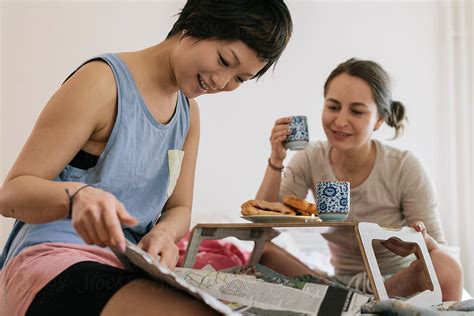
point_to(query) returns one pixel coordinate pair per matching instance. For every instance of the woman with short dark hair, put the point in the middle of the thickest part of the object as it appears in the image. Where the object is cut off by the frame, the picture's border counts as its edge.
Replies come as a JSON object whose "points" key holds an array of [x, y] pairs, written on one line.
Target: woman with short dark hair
{"points": [[112, 157]]}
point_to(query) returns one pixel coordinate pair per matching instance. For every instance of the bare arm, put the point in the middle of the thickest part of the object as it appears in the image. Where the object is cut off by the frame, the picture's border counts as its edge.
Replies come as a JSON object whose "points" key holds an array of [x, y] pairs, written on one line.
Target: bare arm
{"points": [[72, 116], [270, 188], [176, 216], [80, 114]]}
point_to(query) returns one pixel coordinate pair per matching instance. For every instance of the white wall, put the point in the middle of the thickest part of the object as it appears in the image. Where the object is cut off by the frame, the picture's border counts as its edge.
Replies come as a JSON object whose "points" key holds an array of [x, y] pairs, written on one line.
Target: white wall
{"points": [[42, 42]]}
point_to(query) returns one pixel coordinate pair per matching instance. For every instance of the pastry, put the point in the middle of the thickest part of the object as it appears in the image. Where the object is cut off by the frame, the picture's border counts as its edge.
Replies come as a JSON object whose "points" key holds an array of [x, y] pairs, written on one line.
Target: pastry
{"points": [[260, 207], [300, 205]]}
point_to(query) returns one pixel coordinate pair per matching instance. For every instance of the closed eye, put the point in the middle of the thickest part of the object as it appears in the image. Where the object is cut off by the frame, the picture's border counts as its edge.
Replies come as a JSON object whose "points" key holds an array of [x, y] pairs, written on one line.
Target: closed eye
{"points": [[222, 61], [240, 80]]}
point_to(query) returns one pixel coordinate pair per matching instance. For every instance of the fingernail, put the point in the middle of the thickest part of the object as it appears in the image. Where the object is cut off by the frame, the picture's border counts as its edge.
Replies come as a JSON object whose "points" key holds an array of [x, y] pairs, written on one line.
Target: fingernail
{"points": [[122, 247]]}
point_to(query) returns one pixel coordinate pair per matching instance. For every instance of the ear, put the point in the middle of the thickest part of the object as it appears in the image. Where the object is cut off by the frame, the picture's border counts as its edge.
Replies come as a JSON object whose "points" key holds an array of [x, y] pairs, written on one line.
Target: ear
{"points": [[379, 123]]}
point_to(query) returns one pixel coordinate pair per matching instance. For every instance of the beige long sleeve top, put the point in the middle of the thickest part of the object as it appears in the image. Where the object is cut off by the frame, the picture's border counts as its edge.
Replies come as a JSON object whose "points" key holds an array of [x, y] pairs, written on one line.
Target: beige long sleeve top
{"points": [[398, 192]]}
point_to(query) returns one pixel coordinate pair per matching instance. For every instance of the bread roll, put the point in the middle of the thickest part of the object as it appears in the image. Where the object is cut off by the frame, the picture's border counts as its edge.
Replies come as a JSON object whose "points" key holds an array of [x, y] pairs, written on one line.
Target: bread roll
{"points": [[300, 205], [260, 207]]}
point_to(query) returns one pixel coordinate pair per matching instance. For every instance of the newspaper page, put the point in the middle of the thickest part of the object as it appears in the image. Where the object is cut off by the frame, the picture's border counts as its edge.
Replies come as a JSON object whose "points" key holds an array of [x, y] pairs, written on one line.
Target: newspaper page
{"points": [[253, 290], [135, 259], [310, 299]]}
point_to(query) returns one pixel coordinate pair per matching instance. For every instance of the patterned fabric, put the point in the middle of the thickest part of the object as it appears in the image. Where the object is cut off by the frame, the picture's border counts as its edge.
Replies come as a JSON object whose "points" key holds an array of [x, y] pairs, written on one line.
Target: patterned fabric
{"points": [[396, 307]]}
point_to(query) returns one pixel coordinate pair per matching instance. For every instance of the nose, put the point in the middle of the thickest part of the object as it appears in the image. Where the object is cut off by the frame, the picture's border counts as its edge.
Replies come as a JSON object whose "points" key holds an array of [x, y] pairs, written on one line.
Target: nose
{"points": [[341, 118], [219, 80]]}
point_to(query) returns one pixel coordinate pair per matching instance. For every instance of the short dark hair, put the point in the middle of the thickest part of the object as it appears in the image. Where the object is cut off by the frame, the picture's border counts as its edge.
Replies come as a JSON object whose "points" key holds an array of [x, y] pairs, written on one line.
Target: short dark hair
{"points": [[393, 112], [265, 26]]}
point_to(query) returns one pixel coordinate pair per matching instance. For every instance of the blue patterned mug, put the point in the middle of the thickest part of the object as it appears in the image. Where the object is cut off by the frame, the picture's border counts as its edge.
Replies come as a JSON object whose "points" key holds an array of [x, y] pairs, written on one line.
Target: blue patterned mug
{"points": [[299, 137], [333, 200]]}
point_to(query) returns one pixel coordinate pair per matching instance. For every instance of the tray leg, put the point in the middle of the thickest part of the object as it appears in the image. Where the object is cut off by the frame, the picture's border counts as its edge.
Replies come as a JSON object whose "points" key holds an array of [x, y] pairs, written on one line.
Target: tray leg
{"points": [[258, 235], [367, 232]]}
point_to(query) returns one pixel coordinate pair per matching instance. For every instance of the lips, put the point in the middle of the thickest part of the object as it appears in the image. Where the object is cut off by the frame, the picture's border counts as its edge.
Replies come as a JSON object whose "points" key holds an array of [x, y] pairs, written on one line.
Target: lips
{"points": [[340, 134], [204, 86]]}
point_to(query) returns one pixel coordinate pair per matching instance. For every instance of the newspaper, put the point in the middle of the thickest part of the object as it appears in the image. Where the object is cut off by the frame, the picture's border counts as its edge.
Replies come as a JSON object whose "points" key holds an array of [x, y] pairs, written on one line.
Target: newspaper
{"points": [[252, 290], [135, 259]]}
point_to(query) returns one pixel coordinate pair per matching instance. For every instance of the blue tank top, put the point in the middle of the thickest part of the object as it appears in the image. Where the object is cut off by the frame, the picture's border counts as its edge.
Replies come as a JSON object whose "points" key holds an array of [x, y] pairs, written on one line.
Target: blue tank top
{"points": [[139, 165]]}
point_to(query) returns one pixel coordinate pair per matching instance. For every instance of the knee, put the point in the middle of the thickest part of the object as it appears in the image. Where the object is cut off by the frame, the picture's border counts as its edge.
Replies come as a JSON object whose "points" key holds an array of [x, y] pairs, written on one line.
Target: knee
{"points": [[450, 276]]}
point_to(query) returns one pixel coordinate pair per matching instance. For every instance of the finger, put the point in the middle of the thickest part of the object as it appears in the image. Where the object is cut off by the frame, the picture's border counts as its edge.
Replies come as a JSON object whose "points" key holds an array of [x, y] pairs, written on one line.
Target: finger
{"points": [[281, 133], [124, 216], [420, 227], [280, 128], [90, 224], [89, 227], [283, 120], [102, 231], [94, 236], [280, 140], [169, 257], [152, 248], [114, 229], [83, 233]]}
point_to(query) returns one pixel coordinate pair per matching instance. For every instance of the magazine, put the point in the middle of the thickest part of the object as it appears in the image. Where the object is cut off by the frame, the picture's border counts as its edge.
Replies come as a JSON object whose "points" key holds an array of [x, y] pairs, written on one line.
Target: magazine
{"points": [[250, 290]]}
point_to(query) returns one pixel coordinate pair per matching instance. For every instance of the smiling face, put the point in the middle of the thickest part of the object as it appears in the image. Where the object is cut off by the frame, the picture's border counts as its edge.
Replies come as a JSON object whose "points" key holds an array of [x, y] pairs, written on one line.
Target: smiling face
{"points": [[350, 113], [211, 66]]}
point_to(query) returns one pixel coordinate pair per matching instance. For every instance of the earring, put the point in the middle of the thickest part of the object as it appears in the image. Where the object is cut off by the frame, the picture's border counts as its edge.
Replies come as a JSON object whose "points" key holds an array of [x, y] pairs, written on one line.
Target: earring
{"points": [[184, 32]]}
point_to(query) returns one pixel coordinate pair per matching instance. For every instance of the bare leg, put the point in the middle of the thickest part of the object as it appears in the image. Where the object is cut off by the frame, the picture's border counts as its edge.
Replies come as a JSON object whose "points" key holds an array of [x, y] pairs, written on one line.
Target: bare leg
{"points": [[145, 297], [408, 281], [413, 280], [449, 273], [281, 261]]}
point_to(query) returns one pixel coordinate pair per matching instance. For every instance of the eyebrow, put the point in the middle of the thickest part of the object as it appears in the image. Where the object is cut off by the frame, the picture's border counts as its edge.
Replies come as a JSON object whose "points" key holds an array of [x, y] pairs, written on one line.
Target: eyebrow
{"points": [[238, 62], [353, 103]]}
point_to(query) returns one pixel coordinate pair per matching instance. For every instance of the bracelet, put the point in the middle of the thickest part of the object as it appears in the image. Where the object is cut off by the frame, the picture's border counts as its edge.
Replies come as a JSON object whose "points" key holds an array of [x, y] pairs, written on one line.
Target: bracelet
{"points": [[275, 167], [71, 198]]}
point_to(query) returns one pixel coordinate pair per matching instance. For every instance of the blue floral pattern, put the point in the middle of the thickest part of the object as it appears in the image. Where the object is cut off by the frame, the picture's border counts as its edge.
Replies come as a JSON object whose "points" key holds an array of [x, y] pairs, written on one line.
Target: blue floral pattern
{"points": [[299, 129], [333, 197]]}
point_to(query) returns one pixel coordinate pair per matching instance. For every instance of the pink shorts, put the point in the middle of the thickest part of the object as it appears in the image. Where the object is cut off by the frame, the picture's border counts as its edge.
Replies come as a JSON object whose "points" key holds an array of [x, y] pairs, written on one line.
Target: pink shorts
{"points": [[27, 273]]}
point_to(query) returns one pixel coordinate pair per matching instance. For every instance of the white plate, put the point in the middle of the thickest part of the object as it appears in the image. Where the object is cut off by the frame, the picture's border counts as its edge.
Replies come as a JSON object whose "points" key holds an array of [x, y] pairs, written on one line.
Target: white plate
{"points": [[281, 219]]}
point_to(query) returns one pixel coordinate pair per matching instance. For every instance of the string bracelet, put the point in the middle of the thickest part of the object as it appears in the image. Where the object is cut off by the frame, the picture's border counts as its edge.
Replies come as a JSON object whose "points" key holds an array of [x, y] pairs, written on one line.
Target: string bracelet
{"points": [[71, 198], [279, 169]]}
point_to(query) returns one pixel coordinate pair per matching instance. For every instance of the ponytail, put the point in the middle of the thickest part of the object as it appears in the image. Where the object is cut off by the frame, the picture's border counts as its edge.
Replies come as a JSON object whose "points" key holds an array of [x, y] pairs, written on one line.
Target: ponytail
{"points": [[397, 118]]}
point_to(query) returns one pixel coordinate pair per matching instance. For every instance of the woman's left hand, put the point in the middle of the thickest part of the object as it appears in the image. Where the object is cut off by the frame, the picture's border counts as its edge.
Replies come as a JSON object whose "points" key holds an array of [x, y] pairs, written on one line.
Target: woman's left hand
{"points": [[159, 242]]}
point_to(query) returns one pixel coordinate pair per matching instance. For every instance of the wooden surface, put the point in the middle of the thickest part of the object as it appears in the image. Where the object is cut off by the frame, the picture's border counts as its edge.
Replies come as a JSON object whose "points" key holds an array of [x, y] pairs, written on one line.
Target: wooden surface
{"points": [[260, 233], [273, 225]]}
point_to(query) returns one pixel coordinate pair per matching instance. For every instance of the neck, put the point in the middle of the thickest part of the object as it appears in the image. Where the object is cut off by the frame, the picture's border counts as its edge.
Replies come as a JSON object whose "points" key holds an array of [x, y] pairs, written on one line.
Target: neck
{"points": [[352, 161], [157, 66]]}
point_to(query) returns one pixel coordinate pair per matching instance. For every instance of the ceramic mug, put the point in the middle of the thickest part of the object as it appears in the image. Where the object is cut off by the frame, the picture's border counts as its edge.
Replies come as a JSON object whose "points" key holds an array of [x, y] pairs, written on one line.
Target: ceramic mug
{"points": [[299, 137], [333, 200]]}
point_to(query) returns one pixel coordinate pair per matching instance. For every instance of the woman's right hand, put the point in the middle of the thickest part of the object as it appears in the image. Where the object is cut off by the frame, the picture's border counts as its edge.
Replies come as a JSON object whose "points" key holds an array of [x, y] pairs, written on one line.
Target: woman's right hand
{"points": [[98, 216], [280, 132]]}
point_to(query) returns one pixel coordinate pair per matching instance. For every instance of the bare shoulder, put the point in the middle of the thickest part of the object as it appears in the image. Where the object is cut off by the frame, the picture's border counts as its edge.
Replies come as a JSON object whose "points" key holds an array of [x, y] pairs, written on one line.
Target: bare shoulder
{"points": [[93, 82], [88, 97], [81, 109]]}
